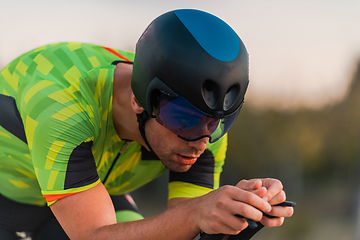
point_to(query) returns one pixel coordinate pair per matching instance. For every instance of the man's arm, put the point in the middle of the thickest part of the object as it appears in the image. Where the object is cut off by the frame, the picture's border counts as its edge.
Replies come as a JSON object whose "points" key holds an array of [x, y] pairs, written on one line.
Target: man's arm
{"points": [[90, 215]]}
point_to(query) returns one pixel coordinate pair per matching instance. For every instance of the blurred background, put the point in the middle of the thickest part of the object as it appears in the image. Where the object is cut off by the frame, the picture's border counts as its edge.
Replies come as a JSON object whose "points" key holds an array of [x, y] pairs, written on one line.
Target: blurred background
{"points": [[300, 121]]}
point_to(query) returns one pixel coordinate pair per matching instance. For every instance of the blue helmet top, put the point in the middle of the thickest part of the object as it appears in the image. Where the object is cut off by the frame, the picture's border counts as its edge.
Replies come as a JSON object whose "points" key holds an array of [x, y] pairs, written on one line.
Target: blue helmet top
{"points": [[212, 34]]}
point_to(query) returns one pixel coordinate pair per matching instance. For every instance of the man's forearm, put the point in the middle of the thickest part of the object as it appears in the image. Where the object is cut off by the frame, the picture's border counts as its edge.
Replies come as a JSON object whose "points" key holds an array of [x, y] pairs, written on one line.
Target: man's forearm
{"points": [[91, 220], [174, 223]]}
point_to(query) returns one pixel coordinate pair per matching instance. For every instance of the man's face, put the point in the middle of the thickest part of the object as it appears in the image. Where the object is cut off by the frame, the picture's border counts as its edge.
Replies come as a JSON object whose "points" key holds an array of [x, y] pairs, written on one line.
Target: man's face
{"points": [[176, 154]]}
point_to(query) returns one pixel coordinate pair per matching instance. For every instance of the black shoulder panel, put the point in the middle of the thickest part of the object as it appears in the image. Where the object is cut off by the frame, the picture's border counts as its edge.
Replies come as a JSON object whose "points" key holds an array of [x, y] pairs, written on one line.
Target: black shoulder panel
{"points": [[81, 169], [10, 117], [201, 173]]}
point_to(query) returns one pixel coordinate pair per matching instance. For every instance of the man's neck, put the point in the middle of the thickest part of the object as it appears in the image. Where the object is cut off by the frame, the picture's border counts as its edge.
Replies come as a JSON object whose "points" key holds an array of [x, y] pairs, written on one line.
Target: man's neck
{"points": [[124, 117]]}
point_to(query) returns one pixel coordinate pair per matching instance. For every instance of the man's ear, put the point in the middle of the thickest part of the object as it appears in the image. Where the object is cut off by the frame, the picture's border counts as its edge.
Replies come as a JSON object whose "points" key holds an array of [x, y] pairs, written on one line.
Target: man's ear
{"points": [[136, 105]]}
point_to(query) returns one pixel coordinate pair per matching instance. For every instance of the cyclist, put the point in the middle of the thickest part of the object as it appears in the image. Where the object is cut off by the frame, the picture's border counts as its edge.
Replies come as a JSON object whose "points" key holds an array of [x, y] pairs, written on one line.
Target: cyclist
{"points": [[83, 125]]}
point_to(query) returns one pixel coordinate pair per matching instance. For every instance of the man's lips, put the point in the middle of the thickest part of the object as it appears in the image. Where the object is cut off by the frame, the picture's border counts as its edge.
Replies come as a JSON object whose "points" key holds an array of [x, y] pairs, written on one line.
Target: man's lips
{"points": [[187, 160]]}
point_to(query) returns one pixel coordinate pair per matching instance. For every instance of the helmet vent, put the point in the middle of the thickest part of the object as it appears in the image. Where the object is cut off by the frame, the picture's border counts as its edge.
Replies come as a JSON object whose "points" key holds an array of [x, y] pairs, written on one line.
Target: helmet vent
{"points": [[231, 97], [210, 91]]}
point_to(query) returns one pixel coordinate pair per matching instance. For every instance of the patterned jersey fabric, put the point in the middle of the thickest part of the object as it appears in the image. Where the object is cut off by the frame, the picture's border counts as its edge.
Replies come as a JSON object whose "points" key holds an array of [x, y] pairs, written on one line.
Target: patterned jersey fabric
{"points": [[57, 136]]}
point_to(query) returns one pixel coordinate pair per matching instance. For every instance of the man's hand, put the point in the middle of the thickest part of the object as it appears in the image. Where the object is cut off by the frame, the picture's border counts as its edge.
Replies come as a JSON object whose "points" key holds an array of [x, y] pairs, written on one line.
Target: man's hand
{"points": [[215, 211], [90, 214], [270, 190]]}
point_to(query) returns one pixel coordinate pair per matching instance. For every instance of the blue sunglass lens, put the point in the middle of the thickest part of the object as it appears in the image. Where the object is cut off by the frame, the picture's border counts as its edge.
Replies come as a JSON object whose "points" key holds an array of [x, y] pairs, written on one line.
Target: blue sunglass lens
{"points": [[183, 119]]}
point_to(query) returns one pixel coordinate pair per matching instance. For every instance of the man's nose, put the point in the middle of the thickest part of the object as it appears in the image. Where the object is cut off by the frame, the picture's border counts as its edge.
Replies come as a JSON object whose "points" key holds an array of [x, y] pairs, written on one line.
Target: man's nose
{"points": [[200, 144]]}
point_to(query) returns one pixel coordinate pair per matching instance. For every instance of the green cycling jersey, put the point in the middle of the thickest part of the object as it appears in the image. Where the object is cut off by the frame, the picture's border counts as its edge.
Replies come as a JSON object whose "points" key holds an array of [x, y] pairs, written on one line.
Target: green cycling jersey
{"points": [[57, 136]]}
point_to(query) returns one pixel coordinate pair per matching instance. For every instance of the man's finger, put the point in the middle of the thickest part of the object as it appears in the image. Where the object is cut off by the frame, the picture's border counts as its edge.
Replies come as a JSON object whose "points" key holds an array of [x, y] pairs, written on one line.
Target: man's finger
{"points": [[280, 212], [260, 192], [251, 199], [273, 186], [278, 198], [250, 185]]}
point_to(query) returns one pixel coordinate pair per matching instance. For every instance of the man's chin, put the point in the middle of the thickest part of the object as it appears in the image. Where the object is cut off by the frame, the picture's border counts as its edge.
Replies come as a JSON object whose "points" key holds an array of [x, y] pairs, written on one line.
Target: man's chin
{"points": [[179, 169]]}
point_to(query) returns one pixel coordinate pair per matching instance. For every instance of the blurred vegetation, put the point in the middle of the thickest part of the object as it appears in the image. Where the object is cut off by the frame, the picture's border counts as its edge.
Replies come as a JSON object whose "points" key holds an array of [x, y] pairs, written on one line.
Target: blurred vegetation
{"points": [[315, 153]]}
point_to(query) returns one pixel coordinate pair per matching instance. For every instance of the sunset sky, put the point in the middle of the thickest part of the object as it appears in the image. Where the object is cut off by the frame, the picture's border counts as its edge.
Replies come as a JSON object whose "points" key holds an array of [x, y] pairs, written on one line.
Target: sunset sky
{"points": [[299, 50]]}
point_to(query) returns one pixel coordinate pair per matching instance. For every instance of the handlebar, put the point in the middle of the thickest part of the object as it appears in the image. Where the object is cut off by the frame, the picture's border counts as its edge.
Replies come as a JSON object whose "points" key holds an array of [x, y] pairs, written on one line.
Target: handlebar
{"points": [[249, 232]]}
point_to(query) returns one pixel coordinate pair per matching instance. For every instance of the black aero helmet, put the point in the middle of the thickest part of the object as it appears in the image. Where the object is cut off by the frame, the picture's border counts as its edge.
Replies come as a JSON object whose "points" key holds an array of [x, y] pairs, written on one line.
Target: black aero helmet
{"points": [[193, 55]]}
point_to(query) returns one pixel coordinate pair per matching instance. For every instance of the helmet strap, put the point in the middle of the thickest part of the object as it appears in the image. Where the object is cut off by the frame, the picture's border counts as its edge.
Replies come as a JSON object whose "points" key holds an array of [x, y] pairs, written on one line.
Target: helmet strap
{"points": [[141, 119]]}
